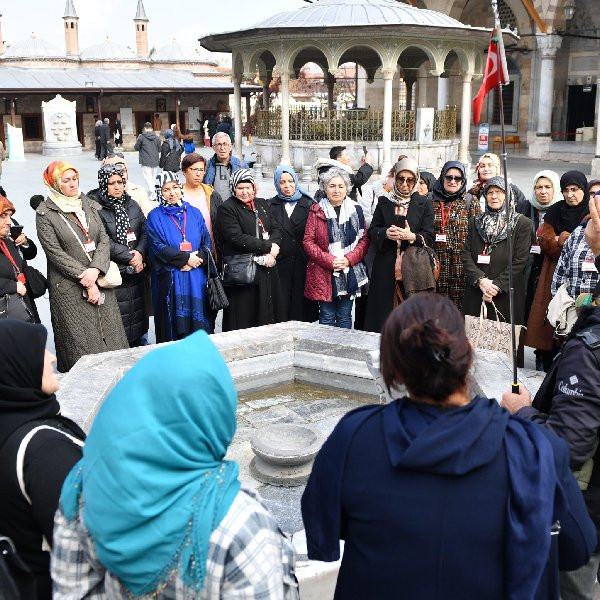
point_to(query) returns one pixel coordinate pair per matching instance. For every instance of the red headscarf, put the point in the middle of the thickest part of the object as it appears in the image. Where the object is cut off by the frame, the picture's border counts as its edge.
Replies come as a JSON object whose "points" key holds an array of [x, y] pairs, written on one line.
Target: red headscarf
{"points": [[53, 173], [5, 205]]}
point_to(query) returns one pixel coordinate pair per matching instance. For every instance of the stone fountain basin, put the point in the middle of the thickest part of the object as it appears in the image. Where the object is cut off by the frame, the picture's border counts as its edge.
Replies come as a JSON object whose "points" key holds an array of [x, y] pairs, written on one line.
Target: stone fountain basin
{"points": [[286, 444]]}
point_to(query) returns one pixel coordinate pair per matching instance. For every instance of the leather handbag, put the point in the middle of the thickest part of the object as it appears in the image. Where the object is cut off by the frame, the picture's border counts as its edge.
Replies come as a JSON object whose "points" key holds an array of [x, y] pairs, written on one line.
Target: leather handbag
{"points": [[217, 298], [561, 313], [12, 306], [36, 283], [240, 269]]}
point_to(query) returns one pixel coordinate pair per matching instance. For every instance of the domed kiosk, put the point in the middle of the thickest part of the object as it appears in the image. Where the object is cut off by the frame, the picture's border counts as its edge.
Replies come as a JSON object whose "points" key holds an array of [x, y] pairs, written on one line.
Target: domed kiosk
{"points": [[391, 42]]}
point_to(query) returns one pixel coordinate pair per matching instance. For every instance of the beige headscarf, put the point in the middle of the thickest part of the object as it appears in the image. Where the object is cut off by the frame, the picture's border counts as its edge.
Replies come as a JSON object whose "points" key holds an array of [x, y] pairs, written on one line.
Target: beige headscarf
{"points": [[405, 164]]}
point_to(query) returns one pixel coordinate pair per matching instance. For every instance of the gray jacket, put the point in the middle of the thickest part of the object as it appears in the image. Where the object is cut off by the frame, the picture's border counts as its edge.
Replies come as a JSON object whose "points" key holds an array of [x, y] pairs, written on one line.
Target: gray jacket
{"points": [[148, 145]]}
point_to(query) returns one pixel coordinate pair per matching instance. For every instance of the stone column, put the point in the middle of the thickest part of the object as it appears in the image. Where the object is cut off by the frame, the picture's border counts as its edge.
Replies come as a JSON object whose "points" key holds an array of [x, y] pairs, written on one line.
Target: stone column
{"points": [[410, 84], [330, 81], [237, 113], [443, 91], [265, 96], [596, 159], [465, 119], [422, 87], [285, 118], [388, 80], [547, 46]]}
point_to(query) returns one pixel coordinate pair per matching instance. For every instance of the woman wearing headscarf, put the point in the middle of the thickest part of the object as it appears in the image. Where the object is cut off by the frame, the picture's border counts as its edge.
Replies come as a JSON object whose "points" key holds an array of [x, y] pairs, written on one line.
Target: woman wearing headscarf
{"points": [[85, 317], [486, 256], [178, 240], [401, 219], [118, 134], [546, 193], [38, 447], [290, 208], [239, 219], [13, 256], [426, 183], [441, 493], [125, 225], [170, 152], [453, 207], [153, 509], [487, 167]]}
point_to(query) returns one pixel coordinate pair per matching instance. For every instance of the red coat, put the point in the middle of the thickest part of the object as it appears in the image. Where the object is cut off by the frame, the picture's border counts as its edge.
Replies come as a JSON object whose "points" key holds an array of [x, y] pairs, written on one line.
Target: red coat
{"points": [[320, 266]]}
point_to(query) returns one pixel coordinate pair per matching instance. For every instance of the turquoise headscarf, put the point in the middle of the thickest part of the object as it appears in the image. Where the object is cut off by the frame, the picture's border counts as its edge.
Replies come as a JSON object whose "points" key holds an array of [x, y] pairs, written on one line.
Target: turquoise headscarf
{"points": [[152, 473], [297, 194]]}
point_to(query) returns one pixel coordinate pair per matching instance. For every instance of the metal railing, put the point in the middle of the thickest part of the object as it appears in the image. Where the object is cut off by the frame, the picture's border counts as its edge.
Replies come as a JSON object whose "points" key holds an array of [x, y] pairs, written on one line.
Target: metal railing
{"points": [[322, 124]]}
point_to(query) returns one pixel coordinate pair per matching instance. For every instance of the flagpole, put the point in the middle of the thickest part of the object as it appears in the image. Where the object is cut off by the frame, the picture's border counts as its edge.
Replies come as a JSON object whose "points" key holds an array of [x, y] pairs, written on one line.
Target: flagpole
{"points": [[507, 205]]}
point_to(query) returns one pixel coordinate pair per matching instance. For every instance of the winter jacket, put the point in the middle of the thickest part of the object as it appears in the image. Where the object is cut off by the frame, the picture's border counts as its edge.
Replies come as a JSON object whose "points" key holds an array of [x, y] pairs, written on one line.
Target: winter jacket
{"points": [[170, 160], [234, 164], [320, 267], [148, 146], [130, 294], [104, 133]]}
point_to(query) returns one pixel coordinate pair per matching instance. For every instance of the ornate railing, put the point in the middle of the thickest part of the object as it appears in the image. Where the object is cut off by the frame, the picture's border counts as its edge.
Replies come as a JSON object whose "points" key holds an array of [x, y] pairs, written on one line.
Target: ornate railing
{"points": [[321, 124]]}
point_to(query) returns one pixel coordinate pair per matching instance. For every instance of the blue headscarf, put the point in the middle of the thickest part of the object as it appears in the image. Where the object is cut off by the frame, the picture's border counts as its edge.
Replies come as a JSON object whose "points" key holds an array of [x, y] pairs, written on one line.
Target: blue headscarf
{"points": [[297, 194], [153, 471], [172, 141]]}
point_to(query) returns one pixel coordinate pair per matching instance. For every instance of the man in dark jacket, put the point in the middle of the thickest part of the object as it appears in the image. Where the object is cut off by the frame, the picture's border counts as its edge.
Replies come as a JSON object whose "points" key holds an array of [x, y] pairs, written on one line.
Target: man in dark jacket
{"points": [[222, 164], [104, 138], [339, 157], [568, 402], [148, 146]]}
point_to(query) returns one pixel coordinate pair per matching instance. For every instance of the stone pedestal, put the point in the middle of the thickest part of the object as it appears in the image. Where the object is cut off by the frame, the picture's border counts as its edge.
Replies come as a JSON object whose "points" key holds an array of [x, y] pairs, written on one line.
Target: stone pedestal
{"points": [[539, 147], [60, 128]]}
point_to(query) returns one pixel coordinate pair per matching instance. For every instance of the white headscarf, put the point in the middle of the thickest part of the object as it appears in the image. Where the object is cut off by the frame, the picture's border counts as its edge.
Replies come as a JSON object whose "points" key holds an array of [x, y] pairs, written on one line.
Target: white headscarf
{"points": [[557, 197]]}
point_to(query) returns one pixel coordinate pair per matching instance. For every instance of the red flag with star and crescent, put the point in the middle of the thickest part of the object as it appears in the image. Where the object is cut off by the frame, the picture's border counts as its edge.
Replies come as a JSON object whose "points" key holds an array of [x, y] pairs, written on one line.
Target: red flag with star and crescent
{"points": [[496, 72]]}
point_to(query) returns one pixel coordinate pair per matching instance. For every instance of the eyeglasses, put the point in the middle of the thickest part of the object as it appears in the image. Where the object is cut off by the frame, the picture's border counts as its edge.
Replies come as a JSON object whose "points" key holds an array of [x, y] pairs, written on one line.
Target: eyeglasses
{"points": [[401, 179], [457, 178]]}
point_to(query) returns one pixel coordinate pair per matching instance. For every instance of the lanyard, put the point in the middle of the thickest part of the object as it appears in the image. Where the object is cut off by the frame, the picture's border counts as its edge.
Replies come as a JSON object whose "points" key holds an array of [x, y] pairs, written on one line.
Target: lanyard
{"points": [[85, 231], [177, 224], [445, 216]]}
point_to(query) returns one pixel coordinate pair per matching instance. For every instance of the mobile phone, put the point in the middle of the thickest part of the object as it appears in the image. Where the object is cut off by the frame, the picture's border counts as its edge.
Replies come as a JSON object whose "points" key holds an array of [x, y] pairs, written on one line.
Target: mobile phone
{"points": [[400, 221], [365, 150], [16, 231]]}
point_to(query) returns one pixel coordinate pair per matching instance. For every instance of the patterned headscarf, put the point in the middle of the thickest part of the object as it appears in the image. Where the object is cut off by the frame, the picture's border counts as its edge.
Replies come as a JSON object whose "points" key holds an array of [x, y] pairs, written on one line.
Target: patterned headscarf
{"points": [[404, 164], [492, 224], [51, 178], [53, 173], [162, 179], [494, 158], [6, 204], [117, 205], [241, 176]]}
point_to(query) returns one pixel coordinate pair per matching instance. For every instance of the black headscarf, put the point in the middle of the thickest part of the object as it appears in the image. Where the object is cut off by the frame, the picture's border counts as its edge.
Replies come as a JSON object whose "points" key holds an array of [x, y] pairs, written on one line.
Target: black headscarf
{"points": [[429, 179], [439, 193], [117, 205], [563, 217]]}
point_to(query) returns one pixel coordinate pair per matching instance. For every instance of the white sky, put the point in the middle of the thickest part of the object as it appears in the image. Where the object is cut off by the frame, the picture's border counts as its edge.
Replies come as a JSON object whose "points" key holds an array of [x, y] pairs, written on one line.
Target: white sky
{"points": [[187, 20]]}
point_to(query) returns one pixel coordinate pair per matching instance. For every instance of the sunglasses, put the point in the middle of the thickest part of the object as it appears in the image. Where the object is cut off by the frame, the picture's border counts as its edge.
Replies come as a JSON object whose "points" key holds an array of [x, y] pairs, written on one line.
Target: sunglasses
{"points": [[410, 180], [457, 178]]}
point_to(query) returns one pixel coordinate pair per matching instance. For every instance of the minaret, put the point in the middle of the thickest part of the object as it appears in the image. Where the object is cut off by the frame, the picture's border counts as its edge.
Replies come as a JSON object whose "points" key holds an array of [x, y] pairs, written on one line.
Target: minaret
{"points": [[141, 31], [71, 29]]}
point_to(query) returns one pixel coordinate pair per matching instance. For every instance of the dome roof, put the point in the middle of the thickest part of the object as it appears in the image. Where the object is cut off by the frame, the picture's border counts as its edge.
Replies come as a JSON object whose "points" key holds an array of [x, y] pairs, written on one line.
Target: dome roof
{"points": [[108, 50], [175, 52], [356, 13], [34, 47]]}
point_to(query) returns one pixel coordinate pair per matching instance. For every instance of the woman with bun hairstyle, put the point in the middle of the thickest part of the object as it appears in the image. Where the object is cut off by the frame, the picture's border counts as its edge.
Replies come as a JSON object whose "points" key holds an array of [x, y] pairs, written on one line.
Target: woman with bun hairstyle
{"points": [[444, 494]]}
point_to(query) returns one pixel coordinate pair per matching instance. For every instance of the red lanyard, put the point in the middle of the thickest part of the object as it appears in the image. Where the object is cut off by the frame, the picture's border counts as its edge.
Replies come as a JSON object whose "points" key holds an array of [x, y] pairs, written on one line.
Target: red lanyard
{"points": [[85, 231], [445, 216], [4, 248], [177, 224]]}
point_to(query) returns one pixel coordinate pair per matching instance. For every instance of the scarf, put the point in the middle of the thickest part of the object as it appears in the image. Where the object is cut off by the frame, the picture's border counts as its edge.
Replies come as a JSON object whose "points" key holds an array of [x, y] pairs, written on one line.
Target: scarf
{"points": [[440, 193], [6, 205], [160, 181], [171, 140], [117, 205], [495, 159], [22, 347], [404, 164], [429, 179], [557, 197], [492, 224], [344, 235], [299, 191], [563, 217], [153, 474], [67, 204]]}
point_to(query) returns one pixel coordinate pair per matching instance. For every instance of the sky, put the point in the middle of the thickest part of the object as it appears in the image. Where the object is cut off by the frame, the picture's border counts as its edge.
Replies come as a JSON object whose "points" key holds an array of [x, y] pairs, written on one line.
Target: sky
{"points": [[186, 20]]}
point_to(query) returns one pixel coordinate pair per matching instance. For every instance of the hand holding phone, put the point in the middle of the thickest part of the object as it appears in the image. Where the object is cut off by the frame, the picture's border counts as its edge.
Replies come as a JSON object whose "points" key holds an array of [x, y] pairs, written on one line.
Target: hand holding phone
{"points": [[16, 231]]}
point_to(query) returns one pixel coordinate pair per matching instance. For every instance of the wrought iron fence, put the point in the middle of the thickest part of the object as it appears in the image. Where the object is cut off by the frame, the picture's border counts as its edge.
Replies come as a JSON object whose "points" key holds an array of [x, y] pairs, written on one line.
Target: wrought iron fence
{"points": [[320, 124]]}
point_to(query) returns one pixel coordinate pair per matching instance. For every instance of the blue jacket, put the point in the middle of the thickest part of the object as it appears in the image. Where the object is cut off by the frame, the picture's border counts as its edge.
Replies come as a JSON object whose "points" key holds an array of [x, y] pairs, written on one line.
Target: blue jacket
{"points": [[234, 164]]}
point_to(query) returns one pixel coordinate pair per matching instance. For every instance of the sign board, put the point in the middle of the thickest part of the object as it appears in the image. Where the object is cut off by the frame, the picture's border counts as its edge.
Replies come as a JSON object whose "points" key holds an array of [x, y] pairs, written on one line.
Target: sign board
{"points": [[484, 137], [193, 117], [126, 120], [16, 148]]}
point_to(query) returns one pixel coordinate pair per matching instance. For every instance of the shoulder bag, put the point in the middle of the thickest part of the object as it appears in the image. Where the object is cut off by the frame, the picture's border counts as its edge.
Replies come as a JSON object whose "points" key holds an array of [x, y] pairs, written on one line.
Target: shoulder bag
{"points": [[240, 269], [561, 312], [36, 283], [217, 298], [12, 306]]}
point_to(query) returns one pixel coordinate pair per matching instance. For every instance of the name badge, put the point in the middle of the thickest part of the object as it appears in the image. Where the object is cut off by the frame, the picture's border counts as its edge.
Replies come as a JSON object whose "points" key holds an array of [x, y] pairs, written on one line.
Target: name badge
{"points": [[535, 249], [265, 235], [484, 259], [185, 246], [441, 237], [131, 236], [89, 246], [589, 266]]}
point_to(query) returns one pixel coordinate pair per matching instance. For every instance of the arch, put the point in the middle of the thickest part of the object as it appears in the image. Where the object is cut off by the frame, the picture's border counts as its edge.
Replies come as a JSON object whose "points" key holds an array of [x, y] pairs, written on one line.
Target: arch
{"points": [[431, 51], [262, 54], [348, 45], [292, 51], [411, 59], [309, 54], [364, 56], [479, 13]]}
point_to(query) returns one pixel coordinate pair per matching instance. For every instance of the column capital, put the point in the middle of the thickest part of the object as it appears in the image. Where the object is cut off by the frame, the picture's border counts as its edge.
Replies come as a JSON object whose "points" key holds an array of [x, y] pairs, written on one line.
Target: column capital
{"points": [[237, 78], [389, 72], [466, 76], [548, 44], [287, 75]]}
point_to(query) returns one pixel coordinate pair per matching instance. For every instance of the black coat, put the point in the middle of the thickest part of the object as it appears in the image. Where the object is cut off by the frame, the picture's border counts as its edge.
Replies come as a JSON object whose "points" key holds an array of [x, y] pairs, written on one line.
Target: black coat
{"points": [[8, 279], [420, 217], [292, 260], [130, 294], [235, 233], [359, 178], [104, 133], [170, 160], [497, 270]]}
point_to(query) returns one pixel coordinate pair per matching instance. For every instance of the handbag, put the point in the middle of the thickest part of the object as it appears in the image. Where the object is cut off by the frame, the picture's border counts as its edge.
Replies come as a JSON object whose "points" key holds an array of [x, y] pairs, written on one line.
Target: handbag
{"points": [[12, 306], [561, 313], [491, 334], [240, 269], [36, 283], [217, 298]]}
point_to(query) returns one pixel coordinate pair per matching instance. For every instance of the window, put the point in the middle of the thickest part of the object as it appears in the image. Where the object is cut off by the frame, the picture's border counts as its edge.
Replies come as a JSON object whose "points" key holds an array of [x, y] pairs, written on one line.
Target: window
{"points": [[32, 127]]}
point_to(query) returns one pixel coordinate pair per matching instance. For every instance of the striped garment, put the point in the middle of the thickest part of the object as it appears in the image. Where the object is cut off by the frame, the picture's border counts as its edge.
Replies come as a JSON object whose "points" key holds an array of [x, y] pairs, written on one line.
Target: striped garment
{"points": [[248, 559], [570, 266]]}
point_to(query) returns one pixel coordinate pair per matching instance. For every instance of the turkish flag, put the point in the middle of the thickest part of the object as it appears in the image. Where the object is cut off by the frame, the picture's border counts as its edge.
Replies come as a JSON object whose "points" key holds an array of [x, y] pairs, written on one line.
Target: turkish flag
{"points": [[496, 73]]}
